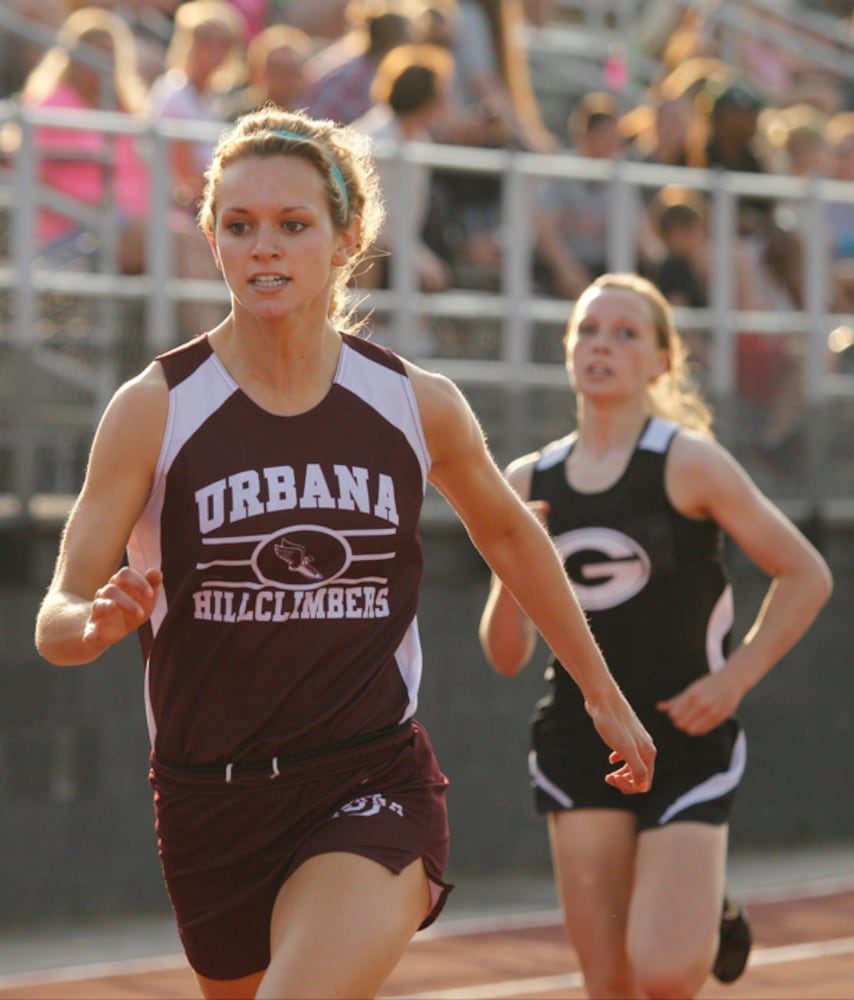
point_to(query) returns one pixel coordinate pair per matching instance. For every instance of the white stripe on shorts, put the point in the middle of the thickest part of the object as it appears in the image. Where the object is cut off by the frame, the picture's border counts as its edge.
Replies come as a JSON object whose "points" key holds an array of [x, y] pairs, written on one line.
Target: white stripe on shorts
{"points": [[541, 781], [716, 786]]}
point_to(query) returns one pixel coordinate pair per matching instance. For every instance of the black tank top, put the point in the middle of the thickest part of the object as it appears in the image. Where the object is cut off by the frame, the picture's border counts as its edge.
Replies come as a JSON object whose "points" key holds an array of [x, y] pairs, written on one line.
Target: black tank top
{"points": [[651, 581]]}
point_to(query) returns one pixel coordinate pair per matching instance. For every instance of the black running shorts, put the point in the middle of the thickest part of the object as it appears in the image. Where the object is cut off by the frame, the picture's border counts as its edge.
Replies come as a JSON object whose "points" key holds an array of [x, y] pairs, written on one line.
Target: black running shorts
{"points": [[695, 778]]}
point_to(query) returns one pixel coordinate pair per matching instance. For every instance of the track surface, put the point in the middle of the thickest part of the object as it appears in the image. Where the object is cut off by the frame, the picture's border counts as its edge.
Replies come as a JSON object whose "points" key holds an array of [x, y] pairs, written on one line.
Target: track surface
{"points": [[804, 948]]}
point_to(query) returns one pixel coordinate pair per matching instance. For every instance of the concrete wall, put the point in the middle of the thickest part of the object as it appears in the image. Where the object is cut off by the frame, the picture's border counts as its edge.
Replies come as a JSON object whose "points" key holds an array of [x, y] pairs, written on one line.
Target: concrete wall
{"points": [[77, 835]]}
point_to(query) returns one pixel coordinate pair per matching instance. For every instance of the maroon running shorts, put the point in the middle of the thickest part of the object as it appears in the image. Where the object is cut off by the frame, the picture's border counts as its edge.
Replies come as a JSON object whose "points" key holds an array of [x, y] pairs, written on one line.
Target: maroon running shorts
{"points": [[226, 847]]}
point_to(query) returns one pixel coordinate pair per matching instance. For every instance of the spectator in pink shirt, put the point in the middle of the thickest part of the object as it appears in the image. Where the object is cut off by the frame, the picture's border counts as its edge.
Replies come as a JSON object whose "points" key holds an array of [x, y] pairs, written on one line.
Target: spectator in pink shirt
{"points": [[206, 60], [91, 67], [342, 91]]}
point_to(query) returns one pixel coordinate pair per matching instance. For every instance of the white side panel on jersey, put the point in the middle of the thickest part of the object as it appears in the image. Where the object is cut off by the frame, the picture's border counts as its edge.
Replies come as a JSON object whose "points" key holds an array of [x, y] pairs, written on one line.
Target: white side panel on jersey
{"points": [[191, 402], [409, 659], [149, 711], [194, 400], [390, 394], [657, 435], [556, 451], [720, 624]]}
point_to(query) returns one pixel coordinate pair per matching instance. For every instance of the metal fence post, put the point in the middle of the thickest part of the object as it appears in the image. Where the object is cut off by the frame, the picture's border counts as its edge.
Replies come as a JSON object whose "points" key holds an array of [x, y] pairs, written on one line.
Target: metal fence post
{"points": [[622, 223], [404, 225], [24, 430], [816, 280], [160, 312], [515, 271], [516, 289], [721, 292]]}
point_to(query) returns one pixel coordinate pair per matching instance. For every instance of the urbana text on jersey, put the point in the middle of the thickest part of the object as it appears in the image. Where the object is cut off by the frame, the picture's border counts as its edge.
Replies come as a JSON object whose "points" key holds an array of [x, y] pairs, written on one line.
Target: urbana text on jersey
{"points": [[282, 487]]}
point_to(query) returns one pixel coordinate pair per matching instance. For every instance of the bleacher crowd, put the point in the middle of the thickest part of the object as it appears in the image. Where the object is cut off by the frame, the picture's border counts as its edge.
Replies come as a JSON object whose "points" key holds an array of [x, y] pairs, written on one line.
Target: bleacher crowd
{"points": [[457, 71]]}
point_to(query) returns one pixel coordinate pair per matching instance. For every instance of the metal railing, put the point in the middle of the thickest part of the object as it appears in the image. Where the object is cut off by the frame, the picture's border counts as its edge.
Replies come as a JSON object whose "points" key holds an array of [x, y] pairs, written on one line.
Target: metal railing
{"points": [[793, 29], [514, 313]]}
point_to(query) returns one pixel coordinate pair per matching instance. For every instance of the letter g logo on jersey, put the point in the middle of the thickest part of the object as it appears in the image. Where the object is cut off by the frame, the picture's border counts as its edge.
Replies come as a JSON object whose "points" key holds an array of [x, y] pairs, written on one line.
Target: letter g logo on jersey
{"points": [[606, 567]]}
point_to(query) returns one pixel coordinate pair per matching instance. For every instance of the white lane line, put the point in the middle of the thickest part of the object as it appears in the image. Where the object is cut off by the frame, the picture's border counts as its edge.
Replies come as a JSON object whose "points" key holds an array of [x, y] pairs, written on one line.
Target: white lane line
{"points": [[464, 926], [802, 952], [814, 889], [506, 988], [94, 970], [545, 984], [484, 923]]}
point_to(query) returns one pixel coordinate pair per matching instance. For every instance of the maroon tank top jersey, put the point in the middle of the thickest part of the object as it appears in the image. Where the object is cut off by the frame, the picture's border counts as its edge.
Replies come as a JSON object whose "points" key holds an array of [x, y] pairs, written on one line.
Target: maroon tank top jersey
{"points": [[291, 562]]}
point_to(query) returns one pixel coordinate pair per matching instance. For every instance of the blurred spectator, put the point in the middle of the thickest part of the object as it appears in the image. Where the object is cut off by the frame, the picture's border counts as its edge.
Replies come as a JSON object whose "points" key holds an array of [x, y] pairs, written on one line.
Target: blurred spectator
{"points": [[806, 147], [684, 271], [659, 131], [795, 140], [540, 13], [19, 55], [571, 222], [771, 67], [152, 24], [108, 172], [682, 275], [255, 15], [775, 56], [319, 19], [435, 23], [695, 35], [276, 71], [412, 92], [733, 125], [820, 87], [840, 140], [492, 71], [90, 67], [769, 367], [737, 143], [691, 79], [206, 60], [342, 92], [494, 106], [656, 22]]}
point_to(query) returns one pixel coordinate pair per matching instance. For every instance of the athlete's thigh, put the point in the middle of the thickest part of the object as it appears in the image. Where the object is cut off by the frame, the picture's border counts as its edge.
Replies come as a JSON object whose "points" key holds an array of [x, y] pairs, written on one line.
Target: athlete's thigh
{"points": [[593, 855], [680, 873], [340, 925]]}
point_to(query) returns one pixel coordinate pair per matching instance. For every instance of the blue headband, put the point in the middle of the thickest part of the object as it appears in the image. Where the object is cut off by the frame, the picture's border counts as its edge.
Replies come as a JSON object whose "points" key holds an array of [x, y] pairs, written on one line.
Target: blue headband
{"points": [[333, 167]]}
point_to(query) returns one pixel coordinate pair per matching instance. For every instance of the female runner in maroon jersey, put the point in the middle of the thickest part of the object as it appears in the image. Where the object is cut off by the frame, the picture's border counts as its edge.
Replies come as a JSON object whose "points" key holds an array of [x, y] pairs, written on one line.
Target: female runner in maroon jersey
{"points": [[265, 480], [637, 500]]}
